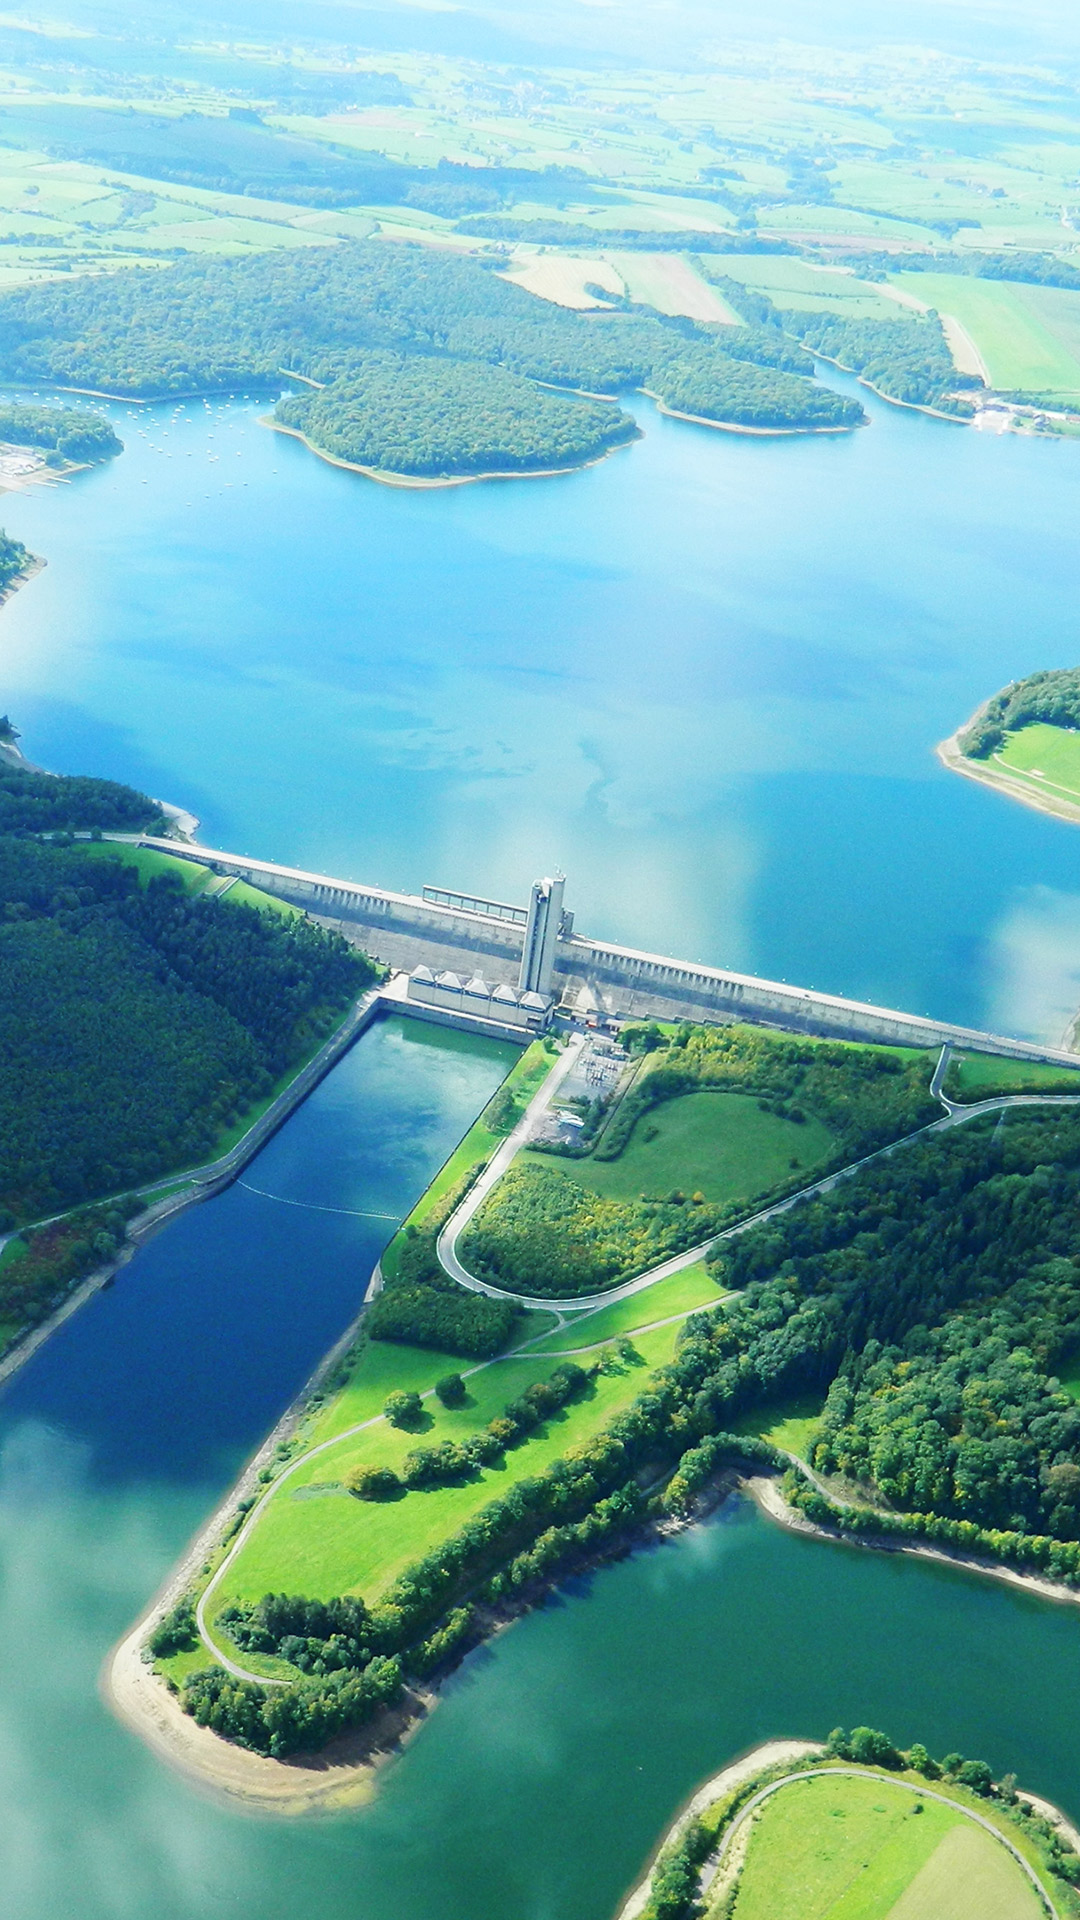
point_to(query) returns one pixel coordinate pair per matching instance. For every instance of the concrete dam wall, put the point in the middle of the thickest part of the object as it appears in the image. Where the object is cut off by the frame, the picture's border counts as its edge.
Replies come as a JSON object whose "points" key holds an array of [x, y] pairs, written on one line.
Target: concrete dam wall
{"points": [[448, 931]]}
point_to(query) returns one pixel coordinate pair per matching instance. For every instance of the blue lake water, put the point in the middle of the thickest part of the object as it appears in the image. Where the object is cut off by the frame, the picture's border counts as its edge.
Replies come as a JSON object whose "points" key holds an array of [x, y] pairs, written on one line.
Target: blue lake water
{"points": [[706, 675]]}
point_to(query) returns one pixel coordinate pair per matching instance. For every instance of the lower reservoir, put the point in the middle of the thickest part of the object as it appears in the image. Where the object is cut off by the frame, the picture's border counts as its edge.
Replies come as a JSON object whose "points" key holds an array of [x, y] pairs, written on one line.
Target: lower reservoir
{"points": [[560, 1751]]}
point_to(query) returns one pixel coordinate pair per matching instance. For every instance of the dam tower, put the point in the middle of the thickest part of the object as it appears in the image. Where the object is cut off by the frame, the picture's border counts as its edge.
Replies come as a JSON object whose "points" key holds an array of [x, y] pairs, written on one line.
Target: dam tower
{"points": [[542, 930]]}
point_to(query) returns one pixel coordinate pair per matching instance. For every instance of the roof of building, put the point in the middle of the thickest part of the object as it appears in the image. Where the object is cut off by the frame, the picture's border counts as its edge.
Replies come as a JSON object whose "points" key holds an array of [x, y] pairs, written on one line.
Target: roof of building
{"points": [[448, 980], [535, 1000], [423, 974], [478, 988], [504, 994]]}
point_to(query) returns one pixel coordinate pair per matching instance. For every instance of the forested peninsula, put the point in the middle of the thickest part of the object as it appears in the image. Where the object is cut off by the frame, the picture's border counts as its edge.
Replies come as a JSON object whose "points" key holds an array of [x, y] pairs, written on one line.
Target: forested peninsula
{"points": [[1025, 742], [418, 363], [1052, 697]]}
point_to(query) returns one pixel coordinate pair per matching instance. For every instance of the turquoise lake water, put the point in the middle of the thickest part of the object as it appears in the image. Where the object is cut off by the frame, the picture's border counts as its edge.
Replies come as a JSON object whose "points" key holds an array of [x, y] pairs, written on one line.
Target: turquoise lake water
{"points": [[707, 676]]}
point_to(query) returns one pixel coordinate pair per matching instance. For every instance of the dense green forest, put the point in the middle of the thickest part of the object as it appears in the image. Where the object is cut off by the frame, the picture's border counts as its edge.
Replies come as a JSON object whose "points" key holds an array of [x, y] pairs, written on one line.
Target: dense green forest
{"points": [[436, 417], [14, 560], [70, 432], [137, 1025], [1030, 269], [32, 802], [905, 359], [539, 1232], [1052, 696], [334, 314]]}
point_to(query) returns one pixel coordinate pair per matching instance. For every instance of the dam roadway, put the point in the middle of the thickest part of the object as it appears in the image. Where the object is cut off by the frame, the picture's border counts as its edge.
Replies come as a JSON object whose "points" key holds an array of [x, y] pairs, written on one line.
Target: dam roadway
{"points": [[589, 977]]}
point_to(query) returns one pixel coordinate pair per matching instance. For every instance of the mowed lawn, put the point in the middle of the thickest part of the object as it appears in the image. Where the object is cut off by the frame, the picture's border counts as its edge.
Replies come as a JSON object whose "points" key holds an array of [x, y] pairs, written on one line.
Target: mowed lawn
{"points": [[978, 1076], [720, 1144], [1048, 757], [693, 1287], [850, 1848], [1026, 340], [314, 1538]]}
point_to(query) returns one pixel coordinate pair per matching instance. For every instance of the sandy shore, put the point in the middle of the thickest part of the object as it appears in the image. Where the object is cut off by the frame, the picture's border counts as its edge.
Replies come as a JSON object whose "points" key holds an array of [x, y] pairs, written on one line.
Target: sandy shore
{"points": [[452, 480], [951, 755], [342, 1775], [771, 1754], [766, 1495]]}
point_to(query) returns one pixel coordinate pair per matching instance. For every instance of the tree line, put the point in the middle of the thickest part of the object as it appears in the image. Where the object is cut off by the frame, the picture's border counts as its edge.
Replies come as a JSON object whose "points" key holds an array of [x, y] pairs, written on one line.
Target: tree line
{"points": [[1052, 696], [69, 433]]}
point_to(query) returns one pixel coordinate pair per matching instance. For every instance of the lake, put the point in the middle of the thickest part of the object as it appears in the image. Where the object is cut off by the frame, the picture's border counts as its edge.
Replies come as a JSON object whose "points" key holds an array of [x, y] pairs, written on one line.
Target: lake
{"points": [[706, 675]]}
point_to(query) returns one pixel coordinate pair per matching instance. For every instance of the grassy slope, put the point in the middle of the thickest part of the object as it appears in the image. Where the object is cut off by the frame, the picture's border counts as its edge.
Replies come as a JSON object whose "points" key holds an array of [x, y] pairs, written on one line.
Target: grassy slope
{"points": [[787, 1423], [856, 1849], [1047, 757], [331, 1543], [1025, 343], [719, 1144], [691, 1288], [196, 879], [978, 1076]]}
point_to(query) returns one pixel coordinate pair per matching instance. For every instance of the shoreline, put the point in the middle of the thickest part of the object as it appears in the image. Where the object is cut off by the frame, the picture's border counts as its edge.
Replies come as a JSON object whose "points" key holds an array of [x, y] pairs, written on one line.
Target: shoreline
{"points": [[763, 1490], [769, 1753], [754, 433], [338, 1776], [763, 1759], [418, 483], [955, 760]]}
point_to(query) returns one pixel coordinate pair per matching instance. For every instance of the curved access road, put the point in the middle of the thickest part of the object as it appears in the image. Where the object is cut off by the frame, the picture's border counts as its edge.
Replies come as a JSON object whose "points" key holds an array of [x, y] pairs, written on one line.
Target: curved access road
{"points": [[446, 1245]]}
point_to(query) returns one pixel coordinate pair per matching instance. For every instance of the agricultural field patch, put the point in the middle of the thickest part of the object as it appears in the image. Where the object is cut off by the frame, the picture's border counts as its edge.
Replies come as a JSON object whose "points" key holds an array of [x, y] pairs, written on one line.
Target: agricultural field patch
{"points": [[671, 283], [1028, 341]]}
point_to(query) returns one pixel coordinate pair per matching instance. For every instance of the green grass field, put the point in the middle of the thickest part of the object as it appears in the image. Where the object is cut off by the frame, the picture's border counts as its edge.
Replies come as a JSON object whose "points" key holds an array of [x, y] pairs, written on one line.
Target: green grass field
{"points": [[693, 1287], [1026, 340], [979, 1076], [794, 283], [314, 1536], [790, 1424], [1046, 758], [718, 1144], [852, 1848]]}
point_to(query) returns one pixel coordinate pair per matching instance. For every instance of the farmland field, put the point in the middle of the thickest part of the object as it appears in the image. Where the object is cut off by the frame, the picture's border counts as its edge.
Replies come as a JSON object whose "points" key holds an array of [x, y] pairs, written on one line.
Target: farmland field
{"points": [[1029, 337], [850, 1848]]}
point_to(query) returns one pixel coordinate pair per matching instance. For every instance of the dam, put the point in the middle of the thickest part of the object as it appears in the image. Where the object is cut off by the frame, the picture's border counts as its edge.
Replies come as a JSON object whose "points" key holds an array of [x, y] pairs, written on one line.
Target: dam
{"points": [[533, 963]]}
